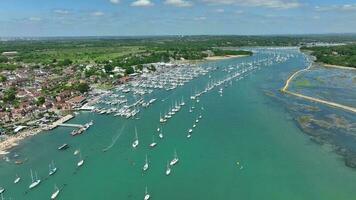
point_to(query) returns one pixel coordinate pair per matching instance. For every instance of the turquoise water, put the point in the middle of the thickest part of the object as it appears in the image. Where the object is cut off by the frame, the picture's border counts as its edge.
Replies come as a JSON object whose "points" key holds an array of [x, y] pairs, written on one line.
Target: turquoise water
{"points": [[245, 125]]}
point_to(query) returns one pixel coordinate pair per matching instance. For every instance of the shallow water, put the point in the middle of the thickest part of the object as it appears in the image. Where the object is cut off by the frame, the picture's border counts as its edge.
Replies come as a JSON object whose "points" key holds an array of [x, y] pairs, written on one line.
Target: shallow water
{"points": [[245, 125]]}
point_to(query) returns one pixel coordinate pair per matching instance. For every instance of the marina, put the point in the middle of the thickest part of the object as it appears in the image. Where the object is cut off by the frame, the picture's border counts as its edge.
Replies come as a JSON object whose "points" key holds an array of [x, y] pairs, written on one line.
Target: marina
{"points": [[143, 126]]}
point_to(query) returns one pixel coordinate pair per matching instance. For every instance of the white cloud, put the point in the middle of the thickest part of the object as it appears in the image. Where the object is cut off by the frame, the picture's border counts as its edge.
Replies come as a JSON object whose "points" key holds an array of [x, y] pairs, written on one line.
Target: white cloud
{"points": [[142, 3], [277, 4], [200, 18], [220, 10], [345, 7], [35, 19], [178, 3], [61, 12], [97, 14], [114, 1]]}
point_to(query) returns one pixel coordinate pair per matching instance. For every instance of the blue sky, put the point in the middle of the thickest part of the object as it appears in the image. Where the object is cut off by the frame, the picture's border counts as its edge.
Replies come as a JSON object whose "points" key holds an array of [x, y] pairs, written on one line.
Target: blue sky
{"points": [[174, 17]]}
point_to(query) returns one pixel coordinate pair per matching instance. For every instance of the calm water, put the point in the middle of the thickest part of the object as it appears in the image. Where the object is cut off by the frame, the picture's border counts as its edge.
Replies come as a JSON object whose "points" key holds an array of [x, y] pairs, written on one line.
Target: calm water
{"points": [[245, 125]]}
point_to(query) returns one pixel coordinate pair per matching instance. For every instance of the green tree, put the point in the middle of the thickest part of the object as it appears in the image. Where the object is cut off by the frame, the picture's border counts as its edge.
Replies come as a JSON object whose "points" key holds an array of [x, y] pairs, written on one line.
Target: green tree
{"points": [[129, 70], [81, 87], [40, 101], [2, 78], [9, 95]]}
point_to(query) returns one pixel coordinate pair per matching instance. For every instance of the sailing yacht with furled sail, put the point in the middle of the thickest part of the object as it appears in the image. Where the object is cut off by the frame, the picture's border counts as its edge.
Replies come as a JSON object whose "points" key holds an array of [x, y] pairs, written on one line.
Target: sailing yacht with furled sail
{"points": [[135, 142], [17, 179], [81, 160], [55, 193], [145, 166], [153, 144], [52, 169], [35, 181], [168, 170], [175, 159], [160, 135], [147, 195]]}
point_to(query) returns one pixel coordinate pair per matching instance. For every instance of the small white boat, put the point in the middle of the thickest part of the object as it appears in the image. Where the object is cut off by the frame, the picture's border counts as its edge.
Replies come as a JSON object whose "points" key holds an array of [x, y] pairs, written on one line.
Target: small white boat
{"points": [[168, 170], [145, 166], [189, 135], [2, 190], [17, 179], [197, 121], [200, 116], [81, 161], [175, 159], [190, 130], [135, 142], [35, 181], [153, 144], [76, 152], [52, 169], [147, 195], [55, 193], [160, 135]]}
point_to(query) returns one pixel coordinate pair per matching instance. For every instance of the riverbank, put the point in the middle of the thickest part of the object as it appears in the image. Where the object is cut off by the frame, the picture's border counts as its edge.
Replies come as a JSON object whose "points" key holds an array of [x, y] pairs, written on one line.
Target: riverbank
{"points": [[13, 140]]}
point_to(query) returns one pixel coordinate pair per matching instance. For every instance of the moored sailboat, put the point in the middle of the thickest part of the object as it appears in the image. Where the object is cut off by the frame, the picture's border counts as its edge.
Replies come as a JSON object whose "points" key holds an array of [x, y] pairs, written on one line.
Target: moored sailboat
{"points": [[135, 142]]}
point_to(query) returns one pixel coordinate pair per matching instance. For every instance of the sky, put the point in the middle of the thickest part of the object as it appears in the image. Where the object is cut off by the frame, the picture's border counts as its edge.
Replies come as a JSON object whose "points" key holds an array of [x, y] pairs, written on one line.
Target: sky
{"points": [[37, 18]]}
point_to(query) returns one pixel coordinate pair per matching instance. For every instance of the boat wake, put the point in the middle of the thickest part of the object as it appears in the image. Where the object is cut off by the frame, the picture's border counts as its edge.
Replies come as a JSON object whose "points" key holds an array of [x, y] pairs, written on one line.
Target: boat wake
{"points": [[115, 138]]}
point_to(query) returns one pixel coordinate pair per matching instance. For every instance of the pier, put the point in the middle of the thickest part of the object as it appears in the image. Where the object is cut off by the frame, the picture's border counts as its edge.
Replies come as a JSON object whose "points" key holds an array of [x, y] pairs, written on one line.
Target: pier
{"points": [[72, 125]]}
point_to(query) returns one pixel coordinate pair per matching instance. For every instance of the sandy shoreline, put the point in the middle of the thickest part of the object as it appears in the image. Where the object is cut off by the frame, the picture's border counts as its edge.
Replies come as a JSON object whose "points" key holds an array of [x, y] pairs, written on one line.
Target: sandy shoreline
{"points": [[224, 57], [338, 67], [13, 140]]}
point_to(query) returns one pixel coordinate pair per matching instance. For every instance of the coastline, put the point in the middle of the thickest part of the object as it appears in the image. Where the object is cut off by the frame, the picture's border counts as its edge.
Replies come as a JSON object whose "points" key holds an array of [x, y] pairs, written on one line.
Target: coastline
{"points": [[14, 140], [213, 58]]}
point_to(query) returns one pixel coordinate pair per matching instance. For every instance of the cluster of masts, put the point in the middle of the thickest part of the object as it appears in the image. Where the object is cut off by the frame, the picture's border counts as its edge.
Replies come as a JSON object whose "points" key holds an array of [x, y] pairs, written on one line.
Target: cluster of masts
{"points": [[171, 111]]}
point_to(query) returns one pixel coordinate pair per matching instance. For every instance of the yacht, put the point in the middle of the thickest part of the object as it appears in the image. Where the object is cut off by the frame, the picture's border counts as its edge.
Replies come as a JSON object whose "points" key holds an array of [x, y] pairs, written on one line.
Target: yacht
{"points": [[76, 152], [145, 166], [190, 130], [147, 195], [168, 170], [55, 193], [17, 179], [194, 125], [175, 159], [160, 135], [153, 144], [35, 181], [2, 190], [135, 142], [81, 161], [52, 169]]}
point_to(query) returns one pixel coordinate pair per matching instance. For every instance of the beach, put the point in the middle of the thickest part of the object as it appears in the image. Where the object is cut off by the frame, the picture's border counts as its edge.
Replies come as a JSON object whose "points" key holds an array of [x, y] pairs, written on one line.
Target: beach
{"points": [[13, 140]]}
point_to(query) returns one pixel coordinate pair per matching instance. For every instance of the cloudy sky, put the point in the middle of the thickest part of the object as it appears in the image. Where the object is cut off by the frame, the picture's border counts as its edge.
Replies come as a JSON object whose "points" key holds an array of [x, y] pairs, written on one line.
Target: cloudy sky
{"points": [[175, 17]]}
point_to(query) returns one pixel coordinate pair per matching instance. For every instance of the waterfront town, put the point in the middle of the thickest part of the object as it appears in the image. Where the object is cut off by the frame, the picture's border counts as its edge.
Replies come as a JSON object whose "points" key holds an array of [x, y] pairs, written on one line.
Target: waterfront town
{"points": [[35, 96]]}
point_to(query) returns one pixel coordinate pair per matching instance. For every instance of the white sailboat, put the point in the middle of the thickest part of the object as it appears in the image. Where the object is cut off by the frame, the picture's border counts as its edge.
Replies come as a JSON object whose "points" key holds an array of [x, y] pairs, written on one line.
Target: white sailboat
{"points": [[161, 119], [17, 179], [2, 190], [153, 144], [145, 166], [81, 161], [76, 152], [135, 142], [160, 135], [175, 159], [52, 169], [147, 195], [168, 170], [55, 193], [35, 181]]}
